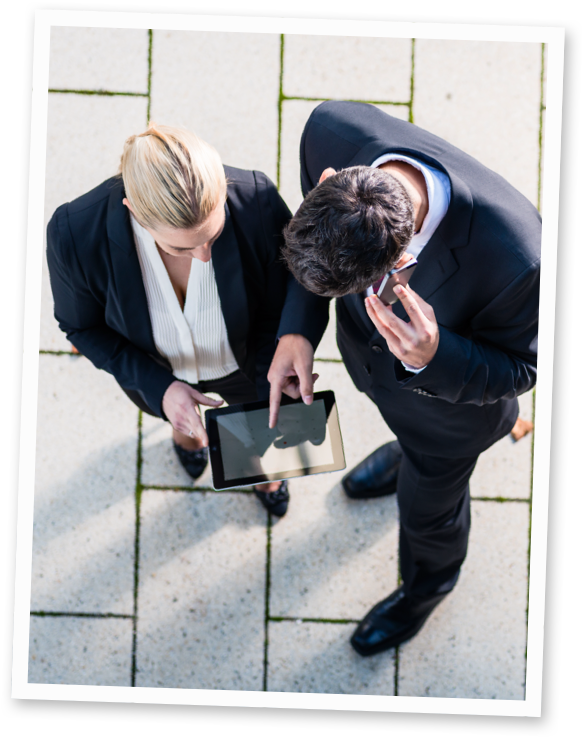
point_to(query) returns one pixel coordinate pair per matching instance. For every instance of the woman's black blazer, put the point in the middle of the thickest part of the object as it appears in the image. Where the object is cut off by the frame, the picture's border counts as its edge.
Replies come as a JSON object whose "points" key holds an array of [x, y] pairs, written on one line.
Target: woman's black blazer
{"points": [[100, 300]]}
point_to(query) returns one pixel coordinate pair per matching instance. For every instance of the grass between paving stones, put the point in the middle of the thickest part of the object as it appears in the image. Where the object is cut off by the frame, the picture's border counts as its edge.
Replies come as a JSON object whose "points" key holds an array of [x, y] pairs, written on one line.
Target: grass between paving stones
{"points": [[138, 500], [542, 107], [149, 76], [104, 615], [267, 601], [102, 93], [412, 63]]}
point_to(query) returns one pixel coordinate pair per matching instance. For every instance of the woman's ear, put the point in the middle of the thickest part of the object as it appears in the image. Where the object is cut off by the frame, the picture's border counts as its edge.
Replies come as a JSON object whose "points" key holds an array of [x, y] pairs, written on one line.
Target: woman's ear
{"points": [[127, 204]]}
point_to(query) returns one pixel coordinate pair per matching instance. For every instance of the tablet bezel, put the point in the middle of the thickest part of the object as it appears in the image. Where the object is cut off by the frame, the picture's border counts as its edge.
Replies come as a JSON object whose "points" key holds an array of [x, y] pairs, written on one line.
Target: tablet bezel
{"points": [[332, 421]]}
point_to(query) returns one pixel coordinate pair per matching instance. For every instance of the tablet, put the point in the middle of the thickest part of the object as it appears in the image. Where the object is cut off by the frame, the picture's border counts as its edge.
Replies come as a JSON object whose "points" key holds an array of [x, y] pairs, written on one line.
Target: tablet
{"points": [[243, 450]]}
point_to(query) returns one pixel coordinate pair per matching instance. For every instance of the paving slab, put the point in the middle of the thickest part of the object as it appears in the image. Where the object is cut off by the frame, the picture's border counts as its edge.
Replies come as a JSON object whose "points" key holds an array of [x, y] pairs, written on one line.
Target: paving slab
{"points": [[225, 88], [484, 97], [333, 557], [317, 657], [85, 138], [474, 643], [70, 650], [504, 470], [112, 59], [347, 67], [295, 113], [201, 599], [84, 515]]}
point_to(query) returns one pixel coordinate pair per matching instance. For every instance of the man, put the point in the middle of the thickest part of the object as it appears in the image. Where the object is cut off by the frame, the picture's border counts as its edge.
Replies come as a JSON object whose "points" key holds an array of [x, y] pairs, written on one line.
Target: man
{"points": [[446, 363]]}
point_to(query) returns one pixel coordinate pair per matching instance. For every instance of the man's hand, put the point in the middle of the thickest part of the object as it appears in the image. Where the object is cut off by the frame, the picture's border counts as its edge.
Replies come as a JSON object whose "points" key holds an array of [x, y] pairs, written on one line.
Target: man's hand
{"points": [[181, 406], [291, 372], [414, 343]]}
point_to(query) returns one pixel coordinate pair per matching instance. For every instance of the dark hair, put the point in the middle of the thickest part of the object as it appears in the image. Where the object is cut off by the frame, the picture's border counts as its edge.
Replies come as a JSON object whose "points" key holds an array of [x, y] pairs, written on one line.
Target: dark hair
{"points": [[350, 230]]}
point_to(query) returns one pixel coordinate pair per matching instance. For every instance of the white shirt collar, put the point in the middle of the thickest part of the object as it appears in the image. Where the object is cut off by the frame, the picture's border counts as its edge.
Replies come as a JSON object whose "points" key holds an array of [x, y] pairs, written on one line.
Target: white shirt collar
{"points": [[439, 193]]}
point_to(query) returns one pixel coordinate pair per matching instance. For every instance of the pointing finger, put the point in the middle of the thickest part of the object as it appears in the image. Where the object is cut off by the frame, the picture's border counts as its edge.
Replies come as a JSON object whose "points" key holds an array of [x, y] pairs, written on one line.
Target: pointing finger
{"points": [[306, 382], [275, 399]]}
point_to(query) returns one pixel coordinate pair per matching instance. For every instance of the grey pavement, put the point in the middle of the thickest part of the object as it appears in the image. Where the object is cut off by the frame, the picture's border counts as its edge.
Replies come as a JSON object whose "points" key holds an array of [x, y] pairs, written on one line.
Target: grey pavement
{"points": [[140, 577]]}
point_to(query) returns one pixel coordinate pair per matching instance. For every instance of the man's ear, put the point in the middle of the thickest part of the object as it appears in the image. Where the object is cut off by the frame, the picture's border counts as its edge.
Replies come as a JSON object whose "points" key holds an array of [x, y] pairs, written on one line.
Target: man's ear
{"points": [[327, 173]]}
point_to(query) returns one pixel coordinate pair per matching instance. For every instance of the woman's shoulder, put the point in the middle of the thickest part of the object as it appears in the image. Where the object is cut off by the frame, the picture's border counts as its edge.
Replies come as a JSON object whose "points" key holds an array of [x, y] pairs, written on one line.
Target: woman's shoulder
{"points": [[252, 190], [246, 180], [91, 204], [83, 220]]}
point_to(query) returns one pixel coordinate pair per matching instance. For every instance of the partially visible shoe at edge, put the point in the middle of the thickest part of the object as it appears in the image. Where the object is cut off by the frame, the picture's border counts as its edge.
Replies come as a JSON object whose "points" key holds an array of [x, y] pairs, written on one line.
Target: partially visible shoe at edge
{"points": [[194, 462], [275, 502], [375, 476], [393, 621]]}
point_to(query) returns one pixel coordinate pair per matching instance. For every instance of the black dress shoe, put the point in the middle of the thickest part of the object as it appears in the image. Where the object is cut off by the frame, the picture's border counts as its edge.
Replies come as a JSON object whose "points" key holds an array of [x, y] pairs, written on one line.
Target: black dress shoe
{"points": [[392, 621], [193, 461], [275, 502], [375, 476]]}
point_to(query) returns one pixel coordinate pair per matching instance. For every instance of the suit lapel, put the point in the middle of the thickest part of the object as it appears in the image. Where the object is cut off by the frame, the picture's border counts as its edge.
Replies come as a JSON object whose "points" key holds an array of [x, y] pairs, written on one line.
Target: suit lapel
{"points": [[437, 262], [230, 284]]}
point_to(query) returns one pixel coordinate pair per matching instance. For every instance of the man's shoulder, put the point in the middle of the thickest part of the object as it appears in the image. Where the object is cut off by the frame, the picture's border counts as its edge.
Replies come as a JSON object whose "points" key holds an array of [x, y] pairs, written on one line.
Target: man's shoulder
{"points": [[365, 124]]}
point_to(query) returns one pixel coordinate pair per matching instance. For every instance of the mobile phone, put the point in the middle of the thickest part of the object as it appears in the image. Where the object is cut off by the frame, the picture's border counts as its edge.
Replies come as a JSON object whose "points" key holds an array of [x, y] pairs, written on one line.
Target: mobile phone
{"points": [[395, 276]]}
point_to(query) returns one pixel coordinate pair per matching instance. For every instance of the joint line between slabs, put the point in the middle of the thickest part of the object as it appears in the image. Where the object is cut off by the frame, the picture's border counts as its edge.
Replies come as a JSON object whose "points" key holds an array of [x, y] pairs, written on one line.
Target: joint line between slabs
{"points": [[267, 601], [281, 98], [525, 500], [138, 498], [540, 132], [400, 103], [102, 93], [95, 615], [529, 529], [330, 621], [411, 103], [148, 108], [177, 488]]}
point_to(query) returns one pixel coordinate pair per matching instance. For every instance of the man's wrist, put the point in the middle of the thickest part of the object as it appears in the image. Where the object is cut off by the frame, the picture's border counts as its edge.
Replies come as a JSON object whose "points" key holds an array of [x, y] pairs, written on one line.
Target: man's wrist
{"points": [[413, 369]]}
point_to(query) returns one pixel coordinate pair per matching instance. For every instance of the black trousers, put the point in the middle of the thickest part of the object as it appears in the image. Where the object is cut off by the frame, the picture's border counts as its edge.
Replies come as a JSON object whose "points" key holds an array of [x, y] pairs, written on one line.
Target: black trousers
{"points": [[434, 508], [234, 388]]}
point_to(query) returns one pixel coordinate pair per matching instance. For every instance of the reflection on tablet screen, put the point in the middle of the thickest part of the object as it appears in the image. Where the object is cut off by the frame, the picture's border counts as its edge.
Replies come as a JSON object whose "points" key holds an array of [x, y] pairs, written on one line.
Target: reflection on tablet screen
{"points": [[299, 441]]}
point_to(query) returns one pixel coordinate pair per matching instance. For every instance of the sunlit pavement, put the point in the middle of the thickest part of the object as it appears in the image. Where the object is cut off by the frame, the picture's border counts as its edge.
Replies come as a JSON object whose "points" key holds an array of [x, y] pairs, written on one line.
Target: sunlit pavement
{"points": [[142, 579]]}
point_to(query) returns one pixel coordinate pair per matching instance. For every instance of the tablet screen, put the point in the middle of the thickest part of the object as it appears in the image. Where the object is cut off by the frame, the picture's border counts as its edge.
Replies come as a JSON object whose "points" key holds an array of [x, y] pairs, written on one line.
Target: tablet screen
{"points": [[306, 440]]}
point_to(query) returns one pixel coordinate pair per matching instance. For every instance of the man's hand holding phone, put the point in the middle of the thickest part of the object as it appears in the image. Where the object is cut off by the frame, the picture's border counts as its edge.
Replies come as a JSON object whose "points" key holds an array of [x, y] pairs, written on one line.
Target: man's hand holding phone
{"points": [[415, 343], [400, 275]]}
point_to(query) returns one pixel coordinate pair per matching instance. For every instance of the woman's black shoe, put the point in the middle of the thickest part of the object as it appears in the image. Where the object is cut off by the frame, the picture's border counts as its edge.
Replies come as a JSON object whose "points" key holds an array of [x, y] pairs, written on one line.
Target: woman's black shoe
{"points": [[275, 502], [193, 461]]}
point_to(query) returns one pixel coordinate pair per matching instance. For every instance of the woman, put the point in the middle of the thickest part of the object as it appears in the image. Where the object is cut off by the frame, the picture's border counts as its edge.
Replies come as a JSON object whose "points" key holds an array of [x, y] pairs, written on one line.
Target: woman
{"points": [[169, 277]]}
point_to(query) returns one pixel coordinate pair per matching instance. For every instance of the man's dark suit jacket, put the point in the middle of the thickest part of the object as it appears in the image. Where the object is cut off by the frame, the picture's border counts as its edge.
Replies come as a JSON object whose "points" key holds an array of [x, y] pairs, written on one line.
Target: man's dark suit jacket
{"points": [[100, 300], [479, 271]]}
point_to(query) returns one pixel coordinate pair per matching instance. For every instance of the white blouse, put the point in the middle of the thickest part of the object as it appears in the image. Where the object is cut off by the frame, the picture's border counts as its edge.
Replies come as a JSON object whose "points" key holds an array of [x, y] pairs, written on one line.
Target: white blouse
{"points": [[194, 340]]}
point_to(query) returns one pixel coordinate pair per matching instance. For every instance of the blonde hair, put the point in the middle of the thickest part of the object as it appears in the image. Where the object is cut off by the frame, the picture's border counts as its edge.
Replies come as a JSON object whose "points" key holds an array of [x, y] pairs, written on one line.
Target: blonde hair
{"points": [[171, 177]]}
